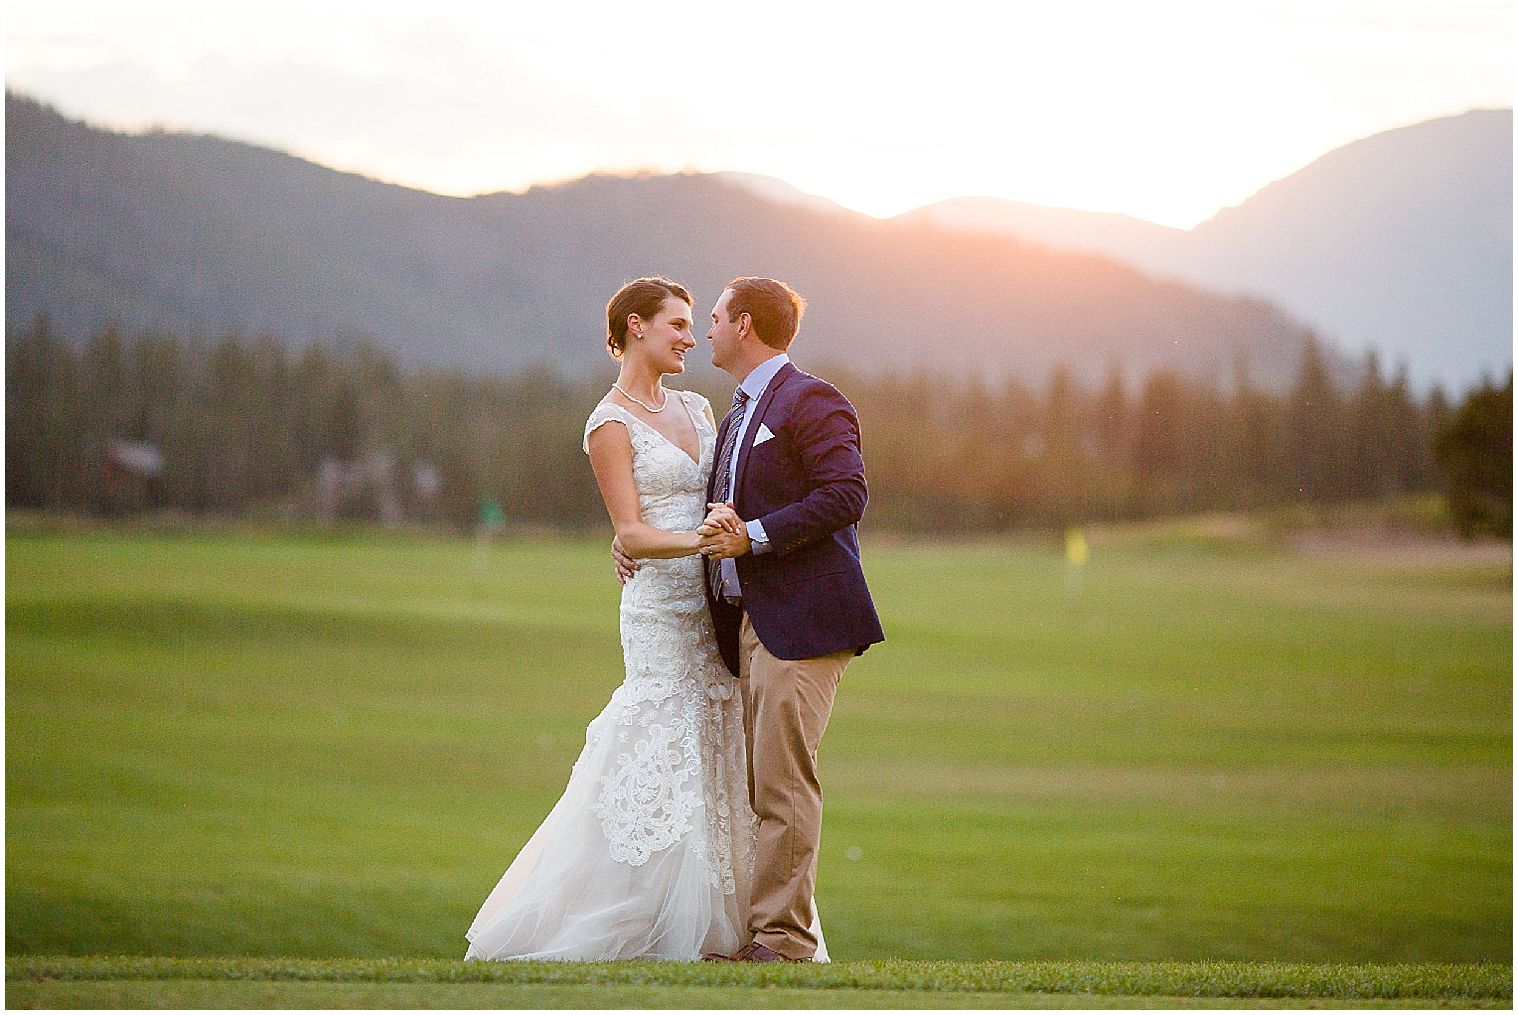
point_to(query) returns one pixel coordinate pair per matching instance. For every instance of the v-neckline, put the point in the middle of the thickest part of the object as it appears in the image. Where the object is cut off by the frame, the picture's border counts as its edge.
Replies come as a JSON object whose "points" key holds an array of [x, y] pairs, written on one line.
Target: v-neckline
{"points": [[695, 428]]}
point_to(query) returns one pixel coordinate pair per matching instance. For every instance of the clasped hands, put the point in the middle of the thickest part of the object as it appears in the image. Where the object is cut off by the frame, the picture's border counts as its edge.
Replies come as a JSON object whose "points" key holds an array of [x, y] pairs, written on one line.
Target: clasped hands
{"points": [[721, 534]]}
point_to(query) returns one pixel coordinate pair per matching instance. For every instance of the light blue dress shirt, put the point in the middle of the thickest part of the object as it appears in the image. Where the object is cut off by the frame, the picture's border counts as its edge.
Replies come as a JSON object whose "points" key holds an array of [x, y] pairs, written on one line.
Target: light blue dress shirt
{"points": [[753, 385]]}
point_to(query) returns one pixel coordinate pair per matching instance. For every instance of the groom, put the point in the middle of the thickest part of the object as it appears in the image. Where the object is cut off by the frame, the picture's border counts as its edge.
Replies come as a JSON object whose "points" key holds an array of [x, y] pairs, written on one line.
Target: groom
{"points": [[785, 587]]}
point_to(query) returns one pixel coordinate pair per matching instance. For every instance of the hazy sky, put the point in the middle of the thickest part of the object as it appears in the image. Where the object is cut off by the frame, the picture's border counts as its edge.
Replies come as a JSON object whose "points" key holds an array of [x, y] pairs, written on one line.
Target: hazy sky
{"points": [[1166, 111]]}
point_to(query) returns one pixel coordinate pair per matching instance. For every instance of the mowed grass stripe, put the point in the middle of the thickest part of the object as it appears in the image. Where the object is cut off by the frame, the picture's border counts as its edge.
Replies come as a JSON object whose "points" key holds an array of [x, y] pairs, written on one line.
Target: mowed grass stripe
{"points": [[1179, 979], [225, 994], [264, 746]]}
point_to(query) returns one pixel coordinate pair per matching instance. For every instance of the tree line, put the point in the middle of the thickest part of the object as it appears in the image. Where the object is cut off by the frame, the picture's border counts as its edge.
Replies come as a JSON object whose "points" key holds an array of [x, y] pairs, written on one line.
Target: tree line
{"points": [[250, 426]]}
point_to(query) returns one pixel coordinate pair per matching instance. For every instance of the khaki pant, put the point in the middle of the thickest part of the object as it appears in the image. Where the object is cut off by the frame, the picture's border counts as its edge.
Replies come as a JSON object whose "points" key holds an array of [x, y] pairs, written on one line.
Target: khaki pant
{"points": [[786, 704]]}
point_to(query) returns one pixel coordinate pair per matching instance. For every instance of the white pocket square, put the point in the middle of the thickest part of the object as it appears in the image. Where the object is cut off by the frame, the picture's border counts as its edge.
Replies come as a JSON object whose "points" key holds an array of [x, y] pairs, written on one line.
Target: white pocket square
{"points": [[763, 435]]}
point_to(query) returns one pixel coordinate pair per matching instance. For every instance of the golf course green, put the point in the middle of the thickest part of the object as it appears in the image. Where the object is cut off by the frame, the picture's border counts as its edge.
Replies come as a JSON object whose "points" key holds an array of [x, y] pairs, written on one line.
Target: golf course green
{"points": [[243, 745]]}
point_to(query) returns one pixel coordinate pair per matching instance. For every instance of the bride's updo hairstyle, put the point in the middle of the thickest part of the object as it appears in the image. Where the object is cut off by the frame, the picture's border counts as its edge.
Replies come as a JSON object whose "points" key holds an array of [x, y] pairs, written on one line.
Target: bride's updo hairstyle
{"points": [[644, 297]]}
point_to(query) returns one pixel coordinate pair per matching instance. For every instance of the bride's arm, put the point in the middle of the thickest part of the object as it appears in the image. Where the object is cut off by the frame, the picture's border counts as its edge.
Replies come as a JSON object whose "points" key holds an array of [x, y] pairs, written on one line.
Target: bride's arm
{"points": [[611, 458]]}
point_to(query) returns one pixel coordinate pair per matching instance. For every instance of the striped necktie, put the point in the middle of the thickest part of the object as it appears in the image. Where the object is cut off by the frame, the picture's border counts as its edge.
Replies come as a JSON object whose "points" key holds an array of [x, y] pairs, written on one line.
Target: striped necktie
{"points": [[723, 489]]}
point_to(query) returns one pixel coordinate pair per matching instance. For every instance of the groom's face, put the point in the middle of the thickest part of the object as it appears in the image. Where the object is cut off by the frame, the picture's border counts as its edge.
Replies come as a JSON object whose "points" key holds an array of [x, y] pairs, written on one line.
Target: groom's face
{"points": [[723, 334]]}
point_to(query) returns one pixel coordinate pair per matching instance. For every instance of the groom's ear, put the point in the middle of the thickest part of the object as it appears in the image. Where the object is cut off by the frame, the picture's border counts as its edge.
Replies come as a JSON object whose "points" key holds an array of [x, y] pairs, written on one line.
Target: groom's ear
{"points": [[745, 324]]}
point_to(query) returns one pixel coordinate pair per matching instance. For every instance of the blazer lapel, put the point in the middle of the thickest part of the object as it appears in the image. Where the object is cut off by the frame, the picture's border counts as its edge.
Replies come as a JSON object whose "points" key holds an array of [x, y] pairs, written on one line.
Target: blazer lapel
{"points": [[781, 375]]}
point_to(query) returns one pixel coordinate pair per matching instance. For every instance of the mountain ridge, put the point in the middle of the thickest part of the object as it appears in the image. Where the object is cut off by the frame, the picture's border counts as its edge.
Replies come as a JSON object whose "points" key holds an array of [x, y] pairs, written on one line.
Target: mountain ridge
{"points": [[200, 233], [1400, 241]]}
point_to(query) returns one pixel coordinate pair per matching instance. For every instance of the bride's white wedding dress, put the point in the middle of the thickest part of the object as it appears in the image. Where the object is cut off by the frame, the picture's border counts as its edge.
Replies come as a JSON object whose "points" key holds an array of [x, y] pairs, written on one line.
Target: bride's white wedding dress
{"points": [[649, 853]]}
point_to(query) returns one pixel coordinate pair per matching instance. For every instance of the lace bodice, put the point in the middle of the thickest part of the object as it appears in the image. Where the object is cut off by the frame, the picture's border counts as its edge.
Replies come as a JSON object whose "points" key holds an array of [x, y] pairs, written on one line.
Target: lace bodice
{"points": [[671, 486]]}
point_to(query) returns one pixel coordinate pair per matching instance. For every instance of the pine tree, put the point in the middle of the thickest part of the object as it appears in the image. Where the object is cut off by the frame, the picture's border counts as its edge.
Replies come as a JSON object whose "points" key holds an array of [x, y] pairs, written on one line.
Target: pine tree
{"points": [[1256, 459], [1373, 473], [1410, 445], [1109, 419], [1475, 453], [1315, 430]]}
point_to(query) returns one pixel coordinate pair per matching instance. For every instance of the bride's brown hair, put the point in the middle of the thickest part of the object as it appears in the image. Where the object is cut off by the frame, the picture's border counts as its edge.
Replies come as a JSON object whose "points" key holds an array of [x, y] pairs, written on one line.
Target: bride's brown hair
{"points": [[641, 296]]}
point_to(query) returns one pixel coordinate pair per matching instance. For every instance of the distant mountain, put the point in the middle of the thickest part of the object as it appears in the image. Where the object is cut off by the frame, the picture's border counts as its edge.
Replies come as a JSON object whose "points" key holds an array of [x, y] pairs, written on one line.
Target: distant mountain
{"points": [[1129, 239], [203, 234], [780, 192], [1402, 241]]}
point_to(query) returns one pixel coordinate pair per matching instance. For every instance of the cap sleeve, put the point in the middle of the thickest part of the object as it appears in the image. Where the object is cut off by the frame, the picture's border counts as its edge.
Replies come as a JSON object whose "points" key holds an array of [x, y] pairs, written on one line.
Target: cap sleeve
{"points": [[605, 412], [699, 405]]}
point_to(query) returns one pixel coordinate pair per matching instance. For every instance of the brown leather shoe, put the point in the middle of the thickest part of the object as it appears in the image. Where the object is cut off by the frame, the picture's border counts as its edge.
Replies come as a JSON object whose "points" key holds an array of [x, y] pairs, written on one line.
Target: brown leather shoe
{"points": [[717, 957], [756, 952]]}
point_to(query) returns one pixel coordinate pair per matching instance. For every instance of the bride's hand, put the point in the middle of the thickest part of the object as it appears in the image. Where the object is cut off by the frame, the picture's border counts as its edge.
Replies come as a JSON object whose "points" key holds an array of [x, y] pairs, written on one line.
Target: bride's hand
{"points": [[723, 518], [626, 566]]}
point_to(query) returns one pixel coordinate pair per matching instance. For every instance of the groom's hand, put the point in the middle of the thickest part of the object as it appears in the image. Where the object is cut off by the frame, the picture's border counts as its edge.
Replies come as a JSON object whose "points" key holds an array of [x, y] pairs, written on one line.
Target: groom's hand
{"points": [[626, 566], [723, 544], [723, 534]]}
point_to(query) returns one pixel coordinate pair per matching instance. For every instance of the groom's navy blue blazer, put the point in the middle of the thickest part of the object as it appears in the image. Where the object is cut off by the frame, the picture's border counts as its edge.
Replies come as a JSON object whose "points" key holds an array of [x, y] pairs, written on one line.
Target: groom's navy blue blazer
{"points": [[806, 597]]}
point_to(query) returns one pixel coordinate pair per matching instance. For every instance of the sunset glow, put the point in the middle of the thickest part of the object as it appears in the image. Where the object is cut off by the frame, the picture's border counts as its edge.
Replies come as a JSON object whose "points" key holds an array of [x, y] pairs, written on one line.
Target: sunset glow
{"points": [[1166, 112]]}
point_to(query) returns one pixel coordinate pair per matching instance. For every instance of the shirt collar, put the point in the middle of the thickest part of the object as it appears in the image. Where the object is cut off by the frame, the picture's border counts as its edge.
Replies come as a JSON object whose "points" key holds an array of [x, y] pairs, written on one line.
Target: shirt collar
{"points": [[759, 378]]}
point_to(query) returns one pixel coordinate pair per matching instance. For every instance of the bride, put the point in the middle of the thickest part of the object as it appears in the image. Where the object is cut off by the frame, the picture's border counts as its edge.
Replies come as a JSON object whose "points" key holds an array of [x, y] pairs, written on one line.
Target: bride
{"points": [[649, 853]]}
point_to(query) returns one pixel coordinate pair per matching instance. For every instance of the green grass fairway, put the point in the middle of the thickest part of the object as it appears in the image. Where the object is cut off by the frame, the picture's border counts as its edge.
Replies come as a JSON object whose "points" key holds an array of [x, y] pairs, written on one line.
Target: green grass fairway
{"points": [[240, 745], [63, 982]]}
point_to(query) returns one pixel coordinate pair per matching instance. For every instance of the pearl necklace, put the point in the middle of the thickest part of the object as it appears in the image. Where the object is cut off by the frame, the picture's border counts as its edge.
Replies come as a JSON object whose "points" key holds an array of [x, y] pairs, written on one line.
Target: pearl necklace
{"points": [[640, 401]]}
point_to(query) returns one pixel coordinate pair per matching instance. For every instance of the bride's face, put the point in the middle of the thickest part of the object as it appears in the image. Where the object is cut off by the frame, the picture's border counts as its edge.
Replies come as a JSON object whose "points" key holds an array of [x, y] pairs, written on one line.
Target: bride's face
{"points": [[667, 337]]}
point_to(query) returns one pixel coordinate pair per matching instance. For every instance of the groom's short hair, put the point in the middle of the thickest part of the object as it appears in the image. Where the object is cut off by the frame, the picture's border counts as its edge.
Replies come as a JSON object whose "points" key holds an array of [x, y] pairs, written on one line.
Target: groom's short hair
{"points": [[774, 307]]}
